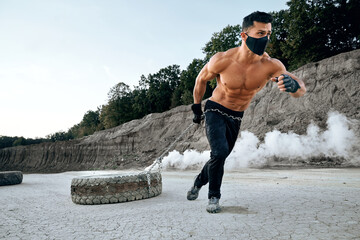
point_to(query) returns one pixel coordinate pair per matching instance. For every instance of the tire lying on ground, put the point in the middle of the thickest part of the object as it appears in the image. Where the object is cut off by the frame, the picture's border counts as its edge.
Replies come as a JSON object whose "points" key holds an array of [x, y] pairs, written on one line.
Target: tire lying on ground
{"points": [[10, 178], [115, 188]]}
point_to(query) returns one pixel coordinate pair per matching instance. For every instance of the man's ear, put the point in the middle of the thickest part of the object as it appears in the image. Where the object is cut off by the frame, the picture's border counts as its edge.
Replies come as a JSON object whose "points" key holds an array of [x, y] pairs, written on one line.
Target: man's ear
{"points": [[243, 36]]}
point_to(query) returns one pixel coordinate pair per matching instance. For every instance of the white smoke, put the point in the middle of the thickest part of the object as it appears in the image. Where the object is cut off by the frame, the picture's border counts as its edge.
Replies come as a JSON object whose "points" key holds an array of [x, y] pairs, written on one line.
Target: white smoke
{"points": [[337, 141]]}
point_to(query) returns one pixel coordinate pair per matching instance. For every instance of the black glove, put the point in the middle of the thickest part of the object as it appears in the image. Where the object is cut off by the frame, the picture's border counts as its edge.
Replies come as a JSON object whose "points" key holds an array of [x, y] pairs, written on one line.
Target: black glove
{"points": [[291, 84], [198, 113]]}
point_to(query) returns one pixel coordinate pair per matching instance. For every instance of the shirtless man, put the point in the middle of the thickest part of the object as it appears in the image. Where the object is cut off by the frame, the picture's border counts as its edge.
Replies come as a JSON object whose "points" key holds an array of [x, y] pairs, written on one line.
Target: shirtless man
{"points": [[240, 73]]}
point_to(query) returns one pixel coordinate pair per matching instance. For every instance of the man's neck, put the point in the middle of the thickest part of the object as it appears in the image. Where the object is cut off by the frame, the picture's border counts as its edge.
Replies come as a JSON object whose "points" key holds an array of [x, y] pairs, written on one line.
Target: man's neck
{"points": [[247, 56]]}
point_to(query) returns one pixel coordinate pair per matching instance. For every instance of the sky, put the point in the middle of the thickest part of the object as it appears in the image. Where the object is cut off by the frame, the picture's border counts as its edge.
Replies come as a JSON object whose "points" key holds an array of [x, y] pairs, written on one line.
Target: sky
{"points": [[59, 58]]}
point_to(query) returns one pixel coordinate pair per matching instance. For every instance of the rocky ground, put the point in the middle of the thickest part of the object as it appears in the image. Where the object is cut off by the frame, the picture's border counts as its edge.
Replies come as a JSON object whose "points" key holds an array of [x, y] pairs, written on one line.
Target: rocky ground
{"points": [[256, 204]]}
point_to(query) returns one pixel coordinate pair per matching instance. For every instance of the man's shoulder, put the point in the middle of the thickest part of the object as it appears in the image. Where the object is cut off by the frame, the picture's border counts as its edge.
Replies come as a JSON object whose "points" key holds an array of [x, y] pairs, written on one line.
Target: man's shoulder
{"points": [[274, 64], [221, 60], [273, 61], [223, 56], [230, 53]]}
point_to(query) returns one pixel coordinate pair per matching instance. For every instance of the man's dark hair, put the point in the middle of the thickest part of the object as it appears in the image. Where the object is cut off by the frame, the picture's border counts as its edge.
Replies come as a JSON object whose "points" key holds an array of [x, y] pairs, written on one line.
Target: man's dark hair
{"points": [[256, 16]]}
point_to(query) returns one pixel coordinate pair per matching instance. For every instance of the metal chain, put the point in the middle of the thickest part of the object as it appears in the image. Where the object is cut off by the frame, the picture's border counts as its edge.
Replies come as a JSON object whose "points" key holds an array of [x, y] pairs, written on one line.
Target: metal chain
{"points": [[158, 160], [224, 114]]}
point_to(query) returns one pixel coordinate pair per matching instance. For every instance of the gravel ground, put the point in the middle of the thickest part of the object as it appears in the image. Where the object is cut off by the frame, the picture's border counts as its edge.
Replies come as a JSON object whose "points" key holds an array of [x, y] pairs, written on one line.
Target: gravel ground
{"points": [[256, 204]]}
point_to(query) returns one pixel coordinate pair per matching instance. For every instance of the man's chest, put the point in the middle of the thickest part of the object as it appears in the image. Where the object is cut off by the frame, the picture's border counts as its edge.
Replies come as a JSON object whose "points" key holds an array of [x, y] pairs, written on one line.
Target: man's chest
{"points": [[250, 78]]}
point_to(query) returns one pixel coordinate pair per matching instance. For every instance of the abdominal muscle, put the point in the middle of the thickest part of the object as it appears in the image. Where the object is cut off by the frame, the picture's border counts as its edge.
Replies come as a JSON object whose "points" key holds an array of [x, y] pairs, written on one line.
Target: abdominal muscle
{"points": [[236, 100]]}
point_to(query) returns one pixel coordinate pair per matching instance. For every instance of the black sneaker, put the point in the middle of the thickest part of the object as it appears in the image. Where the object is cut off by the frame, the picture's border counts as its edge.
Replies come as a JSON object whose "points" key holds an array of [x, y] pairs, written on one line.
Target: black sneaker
{"points": [[193, 193], [213, 206]]}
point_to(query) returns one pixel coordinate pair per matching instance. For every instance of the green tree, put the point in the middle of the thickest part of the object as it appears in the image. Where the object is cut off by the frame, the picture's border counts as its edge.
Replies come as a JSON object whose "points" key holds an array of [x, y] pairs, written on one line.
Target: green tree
{"points": [[89, 123], [278, 37], [183, 94], [161, 86], [6, 141], [188, 78], [75, 132], [19, 141], [118, 91], [59, 136], [222, 41], [119, 108], [140, 106], [319, 29]]}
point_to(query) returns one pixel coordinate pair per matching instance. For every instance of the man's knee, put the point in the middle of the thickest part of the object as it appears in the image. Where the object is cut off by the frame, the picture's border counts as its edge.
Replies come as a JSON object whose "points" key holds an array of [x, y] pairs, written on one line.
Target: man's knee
{"points": [[218, 157]]}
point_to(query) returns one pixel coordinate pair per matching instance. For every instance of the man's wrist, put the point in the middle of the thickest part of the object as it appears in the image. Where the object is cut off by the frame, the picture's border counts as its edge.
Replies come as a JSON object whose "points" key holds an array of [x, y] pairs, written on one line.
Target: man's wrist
{"points": [[196, 108], [290, 84]]}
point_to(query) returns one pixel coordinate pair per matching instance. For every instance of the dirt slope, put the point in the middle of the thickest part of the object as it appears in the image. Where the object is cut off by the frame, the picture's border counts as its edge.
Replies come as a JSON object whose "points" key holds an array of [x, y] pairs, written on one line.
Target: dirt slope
{"points": [[332, 84]]}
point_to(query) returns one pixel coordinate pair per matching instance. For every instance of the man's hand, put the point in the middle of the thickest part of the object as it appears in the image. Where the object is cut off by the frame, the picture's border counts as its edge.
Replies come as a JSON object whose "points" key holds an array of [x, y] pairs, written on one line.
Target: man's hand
{"points": [[286, 83], [198, 113]]}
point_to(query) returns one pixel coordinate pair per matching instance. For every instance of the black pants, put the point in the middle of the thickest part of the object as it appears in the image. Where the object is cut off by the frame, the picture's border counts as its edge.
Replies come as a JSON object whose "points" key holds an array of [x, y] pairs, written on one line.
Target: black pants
{"points": [[222, 132]]}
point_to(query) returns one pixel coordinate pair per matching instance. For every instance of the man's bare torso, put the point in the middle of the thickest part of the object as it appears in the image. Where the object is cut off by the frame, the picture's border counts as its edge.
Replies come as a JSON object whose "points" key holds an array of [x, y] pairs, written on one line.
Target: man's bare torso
{"points": [[238, 81]]}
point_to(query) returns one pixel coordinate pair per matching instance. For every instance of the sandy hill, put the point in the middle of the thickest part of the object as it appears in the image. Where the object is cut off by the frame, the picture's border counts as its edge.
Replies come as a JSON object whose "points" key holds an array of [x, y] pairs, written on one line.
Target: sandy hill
{"points": [[332, 84]]}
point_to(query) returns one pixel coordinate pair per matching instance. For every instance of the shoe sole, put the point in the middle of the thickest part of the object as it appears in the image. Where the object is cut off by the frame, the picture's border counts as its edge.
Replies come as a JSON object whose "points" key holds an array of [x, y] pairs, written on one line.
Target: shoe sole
{"points": [[213, 210], [191, 197]]}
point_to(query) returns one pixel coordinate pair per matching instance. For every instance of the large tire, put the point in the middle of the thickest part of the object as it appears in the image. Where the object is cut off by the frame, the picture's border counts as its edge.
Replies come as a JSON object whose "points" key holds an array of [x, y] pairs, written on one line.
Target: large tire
{"points": [[115, 188], [10, 178]]}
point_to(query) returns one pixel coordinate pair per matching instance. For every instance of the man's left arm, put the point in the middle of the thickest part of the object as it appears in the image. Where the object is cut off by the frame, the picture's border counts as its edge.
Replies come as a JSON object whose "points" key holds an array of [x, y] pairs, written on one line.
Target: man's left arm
{"points": [[288, 82]]}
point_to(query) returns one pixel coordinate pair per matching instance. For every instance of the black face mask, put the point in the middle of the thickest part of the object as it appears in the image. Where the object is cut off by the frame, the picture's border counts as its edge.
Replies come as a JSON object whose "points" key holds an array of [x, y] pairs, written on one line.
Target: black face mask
{"points": [[257, 45]]}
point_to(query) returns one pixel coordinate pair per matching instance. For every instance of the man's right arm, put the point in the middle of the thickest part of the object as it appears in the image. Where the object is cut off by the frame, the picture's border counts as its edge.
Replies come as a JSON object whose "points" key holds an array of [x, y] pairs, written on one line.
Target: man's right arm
{"points": [[209, 72]]}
